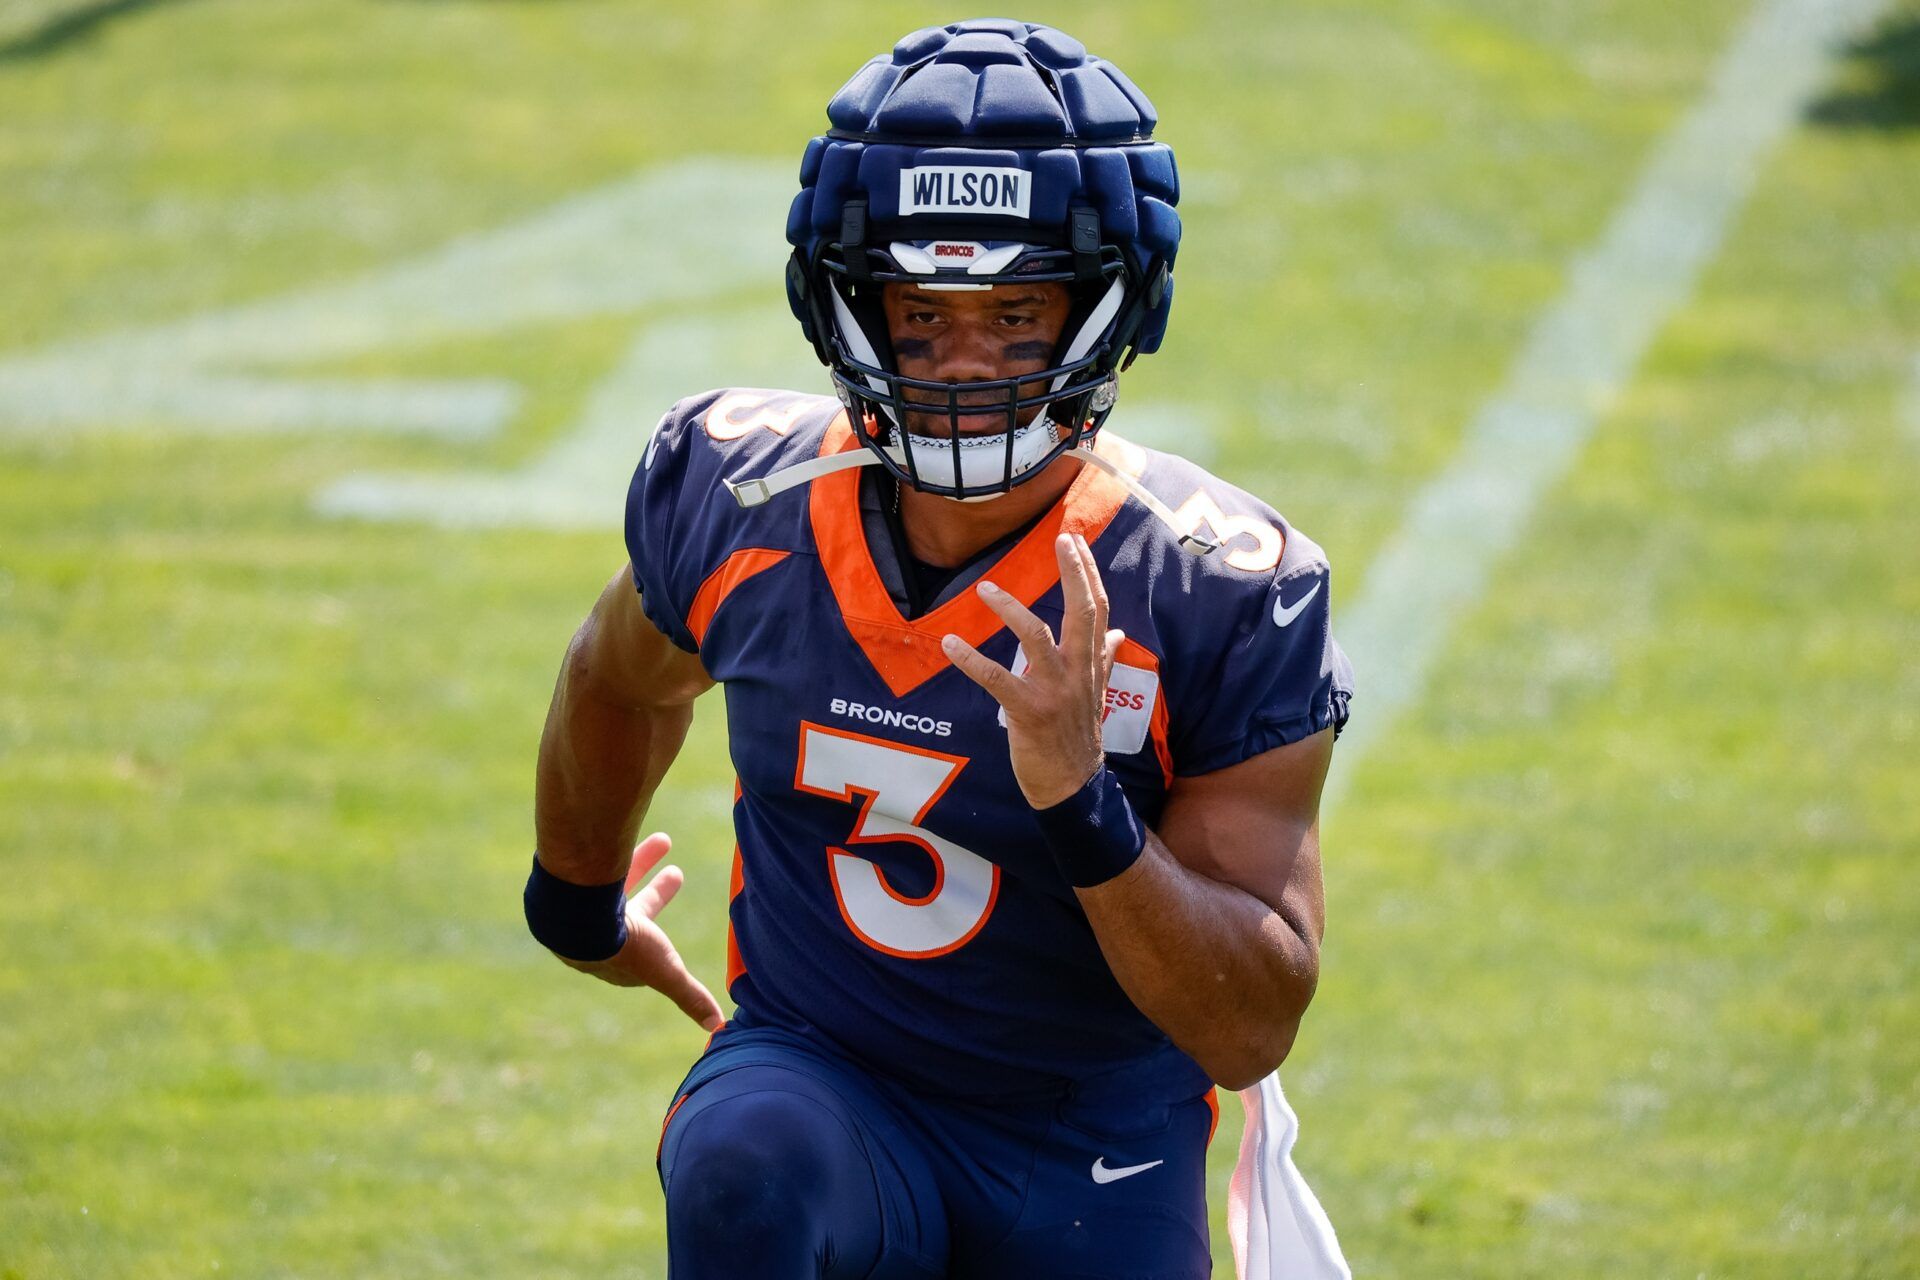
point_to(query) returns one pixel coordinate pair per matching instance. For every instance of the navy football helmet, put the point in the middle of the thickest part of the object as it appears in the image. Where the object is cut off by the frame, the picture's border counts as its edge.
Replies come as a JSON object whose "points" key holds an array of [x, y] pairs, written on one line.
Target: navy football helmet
{"points": [[978, 154]]}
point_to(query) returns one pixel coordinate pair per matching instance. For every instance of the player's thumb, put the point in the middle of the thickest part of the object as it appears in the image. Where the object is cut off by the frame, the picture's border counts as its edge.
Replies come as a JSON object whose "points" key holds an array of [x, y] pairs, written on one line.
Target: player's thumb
{"points": [[680, 986]]}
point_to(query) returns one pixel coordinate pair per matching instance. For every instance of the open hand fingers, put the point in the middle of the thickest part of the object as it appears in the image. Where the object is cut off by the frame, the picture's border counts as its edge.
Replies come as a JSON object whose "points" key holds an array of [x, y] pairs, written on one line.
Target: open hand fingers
{"points": [[659, 891], [679, 985], [646, 856], [1079, 613], [1034, 635], [649, 958], [1094, 585], [1109, 653], [983, 671]]}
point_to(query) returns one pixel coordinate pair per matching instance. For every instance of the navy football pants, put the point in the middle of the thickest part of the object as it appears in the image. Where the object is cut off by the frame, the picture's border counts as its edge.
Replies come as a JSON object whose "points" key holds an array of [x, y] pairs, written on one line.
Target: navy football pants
{"points": [[781, 1160]]}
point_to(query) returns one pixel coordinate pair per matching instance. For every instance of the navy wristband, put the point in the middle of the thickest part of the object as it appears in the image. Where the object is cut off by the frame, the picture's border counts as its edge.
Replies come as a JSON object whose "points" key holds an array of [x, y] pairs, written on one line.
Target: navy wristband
{"points": [[582, 922], [1093, 834]]}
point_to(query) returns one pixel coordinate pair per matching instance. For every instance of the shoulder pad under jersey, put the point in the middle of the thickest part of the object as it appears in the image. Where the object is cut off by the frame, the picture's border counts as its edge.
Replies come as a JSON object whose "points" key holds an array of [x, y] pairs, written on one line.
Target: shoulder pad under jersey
{"points": [[680, 522], [1243, 634]]}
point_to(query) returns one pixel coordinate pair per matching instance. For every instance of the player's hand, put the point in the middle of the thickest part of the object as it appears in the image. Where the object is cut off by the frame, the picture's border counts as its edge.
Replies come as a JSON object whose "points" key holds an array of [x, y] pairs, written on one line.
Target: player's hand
{"points": [[649, 959], [1054, 709]]}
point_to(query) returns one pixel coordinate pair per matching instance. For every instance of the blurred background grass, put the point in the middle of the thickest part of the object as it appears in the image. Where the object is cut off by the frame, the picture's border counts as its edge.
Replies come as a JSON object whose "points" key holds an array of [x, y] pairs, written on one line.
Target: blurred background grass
{"points": [[1623, 944]]}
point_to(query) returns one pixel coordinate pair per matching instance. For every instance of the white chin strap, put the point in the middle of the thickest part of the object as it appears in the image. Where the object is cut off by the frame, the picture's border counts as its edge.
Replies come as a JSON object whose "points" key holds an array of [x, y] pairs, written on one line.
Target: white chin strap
{"points": [[983, 460]]}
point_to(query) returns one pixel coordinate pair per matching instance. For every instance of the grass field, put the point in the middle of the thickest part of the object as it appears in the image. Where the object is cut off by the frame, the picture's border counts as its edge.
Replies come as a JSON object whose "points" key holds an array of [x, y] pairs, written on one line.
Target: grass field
{"points": [[1624, 920]]}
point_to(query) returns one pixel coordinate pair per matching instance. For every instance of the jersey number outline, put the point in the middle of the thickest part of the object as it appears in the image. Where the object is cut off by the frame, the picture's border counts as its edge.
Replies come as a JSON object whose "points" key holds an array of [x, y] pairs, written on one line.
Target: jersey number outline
{"points": [[1262, 557], [895, 785], [741, 413]]}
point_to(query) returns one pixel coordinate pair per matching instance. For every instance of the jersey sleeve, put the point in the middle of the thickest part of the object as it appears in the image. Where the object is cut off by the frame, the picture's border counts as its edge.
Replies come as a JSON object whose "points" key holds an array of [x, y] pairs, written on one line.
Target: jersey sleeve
{"points": [[1280, 678], [657, 529], [681, 525]]}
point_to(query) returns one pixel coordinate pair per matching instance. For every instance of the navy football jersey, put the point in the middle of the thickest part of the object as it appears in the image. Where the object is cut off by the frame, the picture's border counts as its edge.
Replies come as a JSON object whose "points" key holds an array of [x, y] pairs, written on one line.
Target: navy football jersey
{"points": [[891, 890]]}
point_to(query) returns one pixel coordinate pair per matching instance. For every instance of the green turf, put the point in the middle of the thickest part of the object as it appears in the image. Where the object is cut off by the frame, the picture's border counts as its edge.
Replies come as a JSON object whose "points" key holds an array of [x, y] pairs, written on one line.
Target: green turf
{"points": [[1622, 951]]}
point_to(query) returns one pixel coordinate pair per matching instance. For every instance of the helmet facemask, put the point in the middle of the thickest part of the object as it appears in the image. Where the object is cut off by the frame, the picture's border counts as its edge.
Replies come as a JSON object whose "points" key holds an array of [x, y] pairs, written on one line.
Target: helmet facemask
{"points": [[976, 155], [1047, 412]]}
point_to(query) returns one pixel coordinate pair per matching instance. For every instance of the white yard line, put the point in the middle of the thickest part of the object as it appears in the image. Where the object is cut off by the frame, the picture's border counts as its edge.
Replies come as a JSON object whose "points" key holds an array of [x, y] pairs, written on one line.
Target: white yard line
{"points": [[671, 236], [1577, 358], [580, 482]]}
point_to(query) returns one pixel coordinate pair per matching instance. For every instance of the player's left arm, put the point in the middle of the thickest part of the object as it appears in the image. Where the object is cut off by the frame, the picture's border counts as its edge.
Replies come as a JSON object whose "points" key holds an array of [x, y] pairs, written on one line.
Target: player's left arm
{"points": [[1214, 929]]}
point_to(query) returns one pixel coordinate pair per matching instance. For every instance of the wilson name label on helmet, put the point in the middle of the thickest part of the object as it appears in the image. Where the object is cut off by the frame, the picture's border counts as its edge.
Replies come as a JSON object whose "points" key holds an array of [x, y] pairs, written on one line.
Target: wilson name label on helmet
{"points": [[964, 188]]}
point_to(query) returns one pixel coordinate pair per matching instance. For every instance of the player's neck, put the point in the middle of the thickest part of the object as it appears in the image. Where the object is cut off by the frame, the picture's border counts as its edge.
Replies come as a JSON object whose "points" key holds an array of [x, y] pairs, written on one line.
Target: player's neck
{"points": [[946, 534]]}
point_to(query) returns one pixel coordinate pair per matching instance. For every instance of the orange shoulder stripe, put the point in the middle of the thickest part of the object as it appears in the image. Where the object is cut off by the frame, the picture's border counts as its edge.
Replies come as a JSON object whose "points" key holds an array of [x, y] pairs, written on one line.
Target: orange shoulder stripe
{"points": [[736, 569]]}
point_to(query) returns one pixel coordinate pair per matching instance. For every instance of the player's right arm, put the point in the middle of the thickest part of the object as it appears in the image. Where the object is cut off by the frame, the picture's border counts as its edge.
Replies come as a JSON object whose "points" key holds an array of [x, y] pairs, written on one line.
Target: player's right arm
{"points": [[620, 711]]}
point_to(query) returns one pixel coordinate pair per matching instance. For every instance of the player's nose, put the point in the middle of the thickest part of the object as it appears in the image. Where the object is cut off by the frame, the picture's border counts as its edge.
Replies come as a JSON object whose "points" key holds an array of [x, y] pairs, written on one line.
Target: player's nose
{"points": [[969, 355]]}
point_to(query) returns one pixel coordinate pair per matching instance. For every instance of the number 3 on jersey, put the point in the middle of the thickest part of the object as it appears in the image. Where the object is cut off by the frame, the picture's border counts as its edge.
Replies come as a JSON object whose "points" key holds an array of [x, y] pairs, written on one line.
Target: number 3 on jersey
{"points": [[895, 786]]}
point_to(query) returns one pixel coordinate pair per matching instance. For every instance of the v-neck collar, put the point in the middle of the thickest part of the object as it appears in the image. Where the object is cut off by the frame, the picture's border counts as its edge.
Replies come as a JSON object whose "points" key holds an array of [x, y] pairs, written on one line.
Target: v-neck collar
{"points": [[905, 652]]}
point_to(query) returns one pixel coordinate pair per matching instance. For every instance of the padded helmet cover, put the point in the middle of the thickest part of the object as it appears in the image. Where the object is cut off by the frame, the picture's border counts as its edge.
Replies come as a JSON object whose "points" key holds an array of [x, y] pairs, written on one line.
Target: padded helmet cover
{"points": [[998, 93], [989, 131]]}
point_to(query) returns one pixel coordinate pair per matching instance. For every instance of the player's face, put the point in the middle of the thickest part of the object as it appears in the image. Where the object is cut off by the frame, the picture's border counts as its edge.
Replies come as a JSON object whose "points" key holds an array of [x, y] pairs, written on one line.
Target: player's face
{"points": [[974, 336]]}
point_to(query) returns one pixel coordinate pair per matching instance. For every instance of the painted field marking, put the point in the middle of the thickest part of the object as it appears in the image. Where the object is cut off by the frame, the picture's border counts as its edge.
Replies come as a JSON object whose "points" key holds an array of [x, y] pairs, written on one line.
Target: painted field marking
{"points": [[1577, 358], [670, 239], [674, 235], [581, 481]]}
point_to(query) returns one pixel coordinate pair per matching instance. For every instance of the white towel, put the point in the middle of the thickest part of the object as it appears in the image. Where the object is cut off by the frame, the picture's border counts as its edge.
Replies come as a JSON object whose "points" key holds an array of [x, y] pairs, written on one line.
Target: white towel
{"points": [[1278, 1229]]}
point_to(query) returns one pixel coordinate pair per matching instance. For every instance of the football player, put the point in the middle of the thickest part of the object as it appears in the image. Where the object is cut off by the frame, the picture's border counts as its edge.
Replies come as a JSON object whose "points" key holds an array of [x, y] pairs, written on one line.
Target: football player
{"points": [[1030, 726]]}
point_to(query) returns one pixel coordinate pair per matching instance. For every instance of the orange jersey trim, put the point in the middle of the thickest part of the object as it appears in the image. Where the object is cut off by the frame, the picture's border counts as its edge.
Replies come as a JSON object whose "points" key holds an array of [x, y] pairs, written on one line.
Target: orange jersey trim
{"points": [[906, 652], [1213, 1105], [1135, 654], [720, 584], [667, 1119], [736, 963]]}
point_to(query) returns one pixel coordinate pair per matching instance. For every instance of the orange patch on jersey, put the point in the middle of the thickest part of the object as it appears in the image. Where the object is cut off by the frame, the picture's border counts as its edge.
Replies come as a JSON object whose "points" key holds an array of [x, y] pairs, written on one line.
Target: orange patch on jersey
{"points": [[906, 652], [720, 584]]}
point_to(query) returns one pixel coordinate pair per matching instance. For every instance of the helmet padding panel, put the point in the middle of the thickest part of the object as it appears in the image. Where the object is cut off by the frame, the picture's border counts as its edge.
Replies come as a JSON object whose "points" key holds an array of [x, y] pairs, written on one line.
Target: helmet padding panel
{"points": [[987, 132]]}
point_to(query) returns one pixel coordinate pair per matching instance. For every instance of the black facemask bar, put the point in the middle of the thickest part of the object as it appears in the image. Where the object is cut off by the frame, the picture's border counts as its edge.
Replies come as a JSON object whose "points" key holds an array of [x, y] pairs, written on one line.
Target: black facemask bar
{"points": [[885, 419], [1075, 395]]}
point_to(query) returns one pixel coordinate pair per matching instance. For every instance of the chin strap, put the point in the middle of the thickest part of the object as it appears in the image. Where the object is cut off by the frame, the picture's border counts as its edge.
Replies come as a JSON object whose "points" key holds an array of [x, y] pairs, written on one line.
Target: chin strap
{"points": [[759, 490], [755, 492]]}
